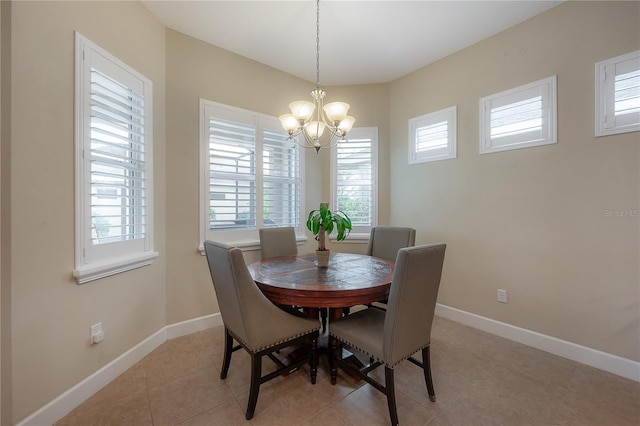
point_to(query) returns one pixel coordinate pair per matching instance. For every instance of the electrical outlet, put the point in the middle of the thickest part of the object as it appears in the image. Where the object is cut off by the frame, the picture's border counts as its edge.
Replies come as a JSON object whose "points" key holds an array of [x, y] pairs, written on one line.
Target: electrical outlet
{"points": [[96, 333], [502, 295]]}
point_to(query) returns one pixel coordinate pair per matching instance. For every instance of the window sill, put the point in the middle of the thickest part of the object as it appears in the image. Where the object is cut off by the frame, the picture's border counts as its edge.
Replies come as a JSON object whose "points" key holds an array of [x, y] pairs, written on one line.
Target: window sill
{"points": [[352, 238], [249, 245], [103, 269]]}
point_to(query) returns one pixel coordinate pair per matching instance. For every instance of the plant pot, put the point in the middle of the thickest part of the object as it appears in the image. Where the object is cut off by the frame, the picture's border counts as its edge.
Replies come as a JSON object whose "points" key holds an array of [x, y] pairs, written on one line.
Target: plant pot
{"points": [[322, 257]]}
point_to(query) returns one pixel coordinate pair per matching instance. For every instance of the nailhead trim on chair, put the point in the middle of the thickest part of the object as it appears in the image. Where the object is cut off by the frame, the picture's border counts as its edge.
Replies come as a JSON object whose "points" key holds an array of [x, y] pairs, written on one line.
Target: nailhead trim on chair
{"points": [[376, 358], [311, 330]]}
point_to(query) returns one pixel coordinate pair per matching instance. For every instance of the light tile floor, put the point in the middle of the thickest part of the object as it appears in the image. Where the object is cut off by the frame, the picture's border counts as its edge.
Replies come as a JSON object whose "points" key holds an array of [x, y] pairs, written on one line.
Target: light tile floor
{"points": [[480, 379]]}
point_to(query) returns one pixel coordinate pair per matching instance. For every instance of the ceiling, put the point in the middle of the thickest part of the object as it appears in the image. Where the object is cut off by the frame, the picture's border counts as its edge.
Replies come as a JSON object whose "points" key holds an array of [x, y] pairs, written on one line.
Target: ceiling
{"points": [[360, 41]]}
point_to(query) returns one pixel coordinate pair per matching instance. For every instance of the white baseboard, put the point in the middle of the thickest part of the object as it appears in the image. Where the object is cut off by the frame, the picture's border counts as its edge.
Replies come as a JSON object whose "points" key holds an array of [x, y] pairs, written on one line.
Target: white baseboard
{"points": [[69, 400], [612, 363], [66, 402], [193, 325]]}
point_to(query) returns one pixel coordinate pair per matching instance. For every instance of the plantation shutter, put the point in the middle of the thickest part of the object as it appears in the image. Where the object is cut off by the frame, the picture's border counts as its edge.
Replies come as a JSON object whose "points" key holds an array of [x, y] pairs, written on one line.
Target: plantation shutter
{"points": [[432, 138], [521, 117], [355, 178], [118, 169], [232, 175], [518, 117], [623, 80], [281, 180]]}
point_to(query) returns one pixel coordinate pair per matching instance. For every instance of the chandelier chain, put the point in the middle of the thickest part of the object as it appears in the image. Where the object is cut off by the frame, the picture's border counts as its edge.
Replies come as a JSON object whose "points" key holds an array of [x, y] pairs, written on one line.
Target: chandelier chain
{"points": [[318, 43]]}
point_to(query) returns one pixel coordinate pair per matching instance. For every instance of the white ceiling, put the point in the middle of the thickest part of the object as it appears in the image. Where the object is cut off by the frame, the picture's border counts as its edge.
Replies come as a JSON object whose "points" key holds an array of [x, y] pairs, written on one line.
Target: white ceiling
{"points": [[360, 41]]}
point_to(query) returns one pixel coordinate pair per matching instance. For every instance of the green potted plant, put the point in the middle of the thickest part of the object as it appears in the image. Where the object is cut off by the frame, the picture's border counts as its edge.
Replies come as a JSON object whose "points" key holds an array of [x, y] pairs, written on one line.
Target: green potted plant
{"points": [[322, 222]]}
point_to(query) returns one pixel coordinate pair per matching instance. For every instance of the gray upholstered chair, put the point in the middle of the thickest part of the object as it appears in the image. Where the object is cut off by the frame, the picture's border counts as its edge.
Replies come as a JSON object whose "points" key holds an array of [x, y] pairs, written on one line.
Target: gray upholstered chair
{"points": [[391, 336], [253, 321], [276, 242], [385, 241]]}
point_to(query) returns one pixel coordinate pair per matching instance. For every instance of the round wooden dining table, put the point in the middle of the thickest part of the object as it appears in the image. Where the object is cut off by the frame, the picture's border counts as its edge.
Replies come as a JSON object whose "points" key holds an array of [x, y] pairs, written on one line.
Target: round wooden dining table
{"points": [[349, 280]]}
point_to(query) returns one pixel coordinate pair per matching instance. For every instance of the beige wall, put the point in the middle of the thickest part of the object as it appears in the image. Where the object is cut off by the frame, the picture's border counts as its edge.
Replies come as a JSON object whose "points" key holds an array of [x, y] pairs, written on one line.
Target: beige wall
{"points": [[198, 70], [532, 221], [5, 288], [51, 312]]}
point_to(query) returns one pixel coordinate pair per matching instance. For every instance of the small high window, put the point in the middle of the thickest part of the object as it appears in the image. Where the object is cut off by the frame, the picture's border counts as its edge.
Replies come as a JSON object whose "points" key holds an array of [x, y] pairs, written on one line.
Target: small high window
{"points": [[519, 118], [618, 95], [432, 137]]}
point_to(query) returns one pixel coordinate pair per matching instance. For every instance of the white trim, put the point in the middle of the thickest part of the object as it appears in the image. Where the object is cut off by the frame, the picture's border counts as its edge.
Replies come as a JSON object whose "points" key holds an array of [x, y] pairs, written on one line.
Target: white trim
{"points": [[97, 270], [250, 245], [352, 238], [193, 325], [612, 363], [76, 395], [70, 399]]}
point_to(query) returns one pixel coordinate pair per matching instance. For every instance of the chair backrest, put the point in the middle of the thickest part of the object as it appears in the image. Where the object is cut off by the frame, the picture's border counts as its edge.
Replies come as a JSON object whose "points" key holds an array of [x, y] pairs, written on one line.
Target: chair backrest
{"points": [[276, 242], [412, 301], [385, 241], [245, 311]]}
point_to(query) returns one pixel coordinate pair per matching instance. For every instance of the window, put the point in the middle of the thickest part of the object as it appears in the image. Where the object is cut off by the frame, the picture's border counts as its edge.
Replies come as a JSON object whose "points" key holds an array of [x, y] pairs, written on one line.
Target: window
{"points": [[114, 208], [519, 118], [354, 178], [618, 95], [251, 175], [432, 137]]}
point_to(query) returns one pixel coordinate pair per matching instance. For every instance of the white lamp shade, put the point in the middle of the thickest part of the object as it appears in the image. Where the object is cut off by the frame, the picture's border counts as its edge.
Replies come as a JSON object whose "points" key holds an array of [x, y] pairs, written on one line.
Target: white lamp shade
{"points": [[346, 124], [315, 129], [336, 111], [302, 110], [289, 122]]}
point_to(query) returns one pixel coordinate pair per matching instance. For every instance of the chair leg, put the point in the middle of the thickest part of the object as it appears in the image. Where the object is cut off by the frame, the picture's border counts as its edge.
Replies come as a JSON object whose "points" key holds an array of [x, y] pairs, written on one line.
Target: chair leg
{"points": [[391, 395], [333, 354], [313, 359], [323, 317], [426, 361], [256, 375], [228, 350]]}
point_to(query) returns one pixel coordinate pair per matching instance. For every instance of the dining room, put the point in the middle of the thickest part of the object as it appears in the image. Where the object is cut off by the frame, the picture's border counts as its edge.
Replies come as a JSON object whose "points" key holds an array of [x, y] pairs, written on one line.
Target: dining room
{"points": [[555, 226]]}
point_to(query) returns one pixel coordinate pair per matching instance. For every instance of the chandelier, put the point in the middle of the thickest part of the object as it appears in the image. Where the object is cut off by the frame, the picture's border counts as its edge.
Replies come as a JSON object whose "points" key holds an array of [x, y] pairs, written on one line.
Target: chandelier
{"points": [[323, 126]]}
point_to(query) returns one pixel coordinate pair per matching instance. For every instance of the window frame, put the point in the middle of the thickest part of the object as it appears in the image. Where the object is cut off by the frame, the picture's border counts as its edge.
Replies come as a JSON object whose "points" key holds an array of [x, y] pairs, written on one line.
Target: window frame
{"points": [[605, 123], [95, 261], [447, 115], [358, 232], [548, 129], [246, 239]]}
